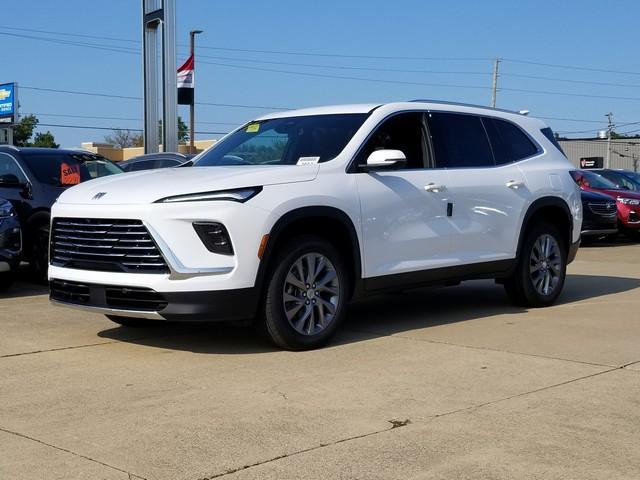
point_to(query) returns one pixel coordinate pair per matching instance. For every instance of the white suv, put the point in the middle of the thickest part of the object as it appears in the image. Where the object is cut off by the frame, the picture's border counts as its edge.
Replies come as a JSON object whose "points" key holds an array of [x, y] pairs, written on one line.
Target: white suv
{"points": [[289, 217]]}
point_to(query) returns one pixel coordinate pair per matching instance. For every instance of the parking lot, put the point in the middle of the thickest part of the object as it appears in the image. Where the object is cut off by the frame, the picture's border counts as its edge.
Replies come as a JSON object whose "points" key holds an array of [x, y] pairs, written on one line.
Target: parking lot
{"points": [[441, 383]]}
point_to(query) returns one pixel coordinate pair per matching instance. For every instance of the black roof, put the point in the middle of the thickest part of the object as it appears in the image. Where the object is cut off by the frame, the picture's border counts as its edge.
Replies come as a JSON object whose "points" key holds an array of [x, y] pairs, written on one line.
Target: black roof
{"points": [[45, 151]]}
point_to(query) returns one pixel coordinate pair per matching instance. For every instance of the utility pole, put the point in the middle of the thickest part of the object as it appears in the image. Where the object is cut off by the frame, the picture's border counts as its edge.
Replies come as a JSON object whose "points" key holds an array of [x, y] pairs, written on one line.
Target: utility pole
{"points": [[609, 129], [494, 89], [192, 36]]}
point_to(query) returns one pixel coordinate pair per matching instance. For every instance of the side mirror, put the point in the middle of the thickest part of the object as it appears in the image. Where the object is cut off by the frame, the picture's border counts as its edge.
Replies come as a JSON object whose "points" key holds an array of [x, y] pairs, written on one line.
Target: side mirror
{"points": [[381, 159], [10, 180]]}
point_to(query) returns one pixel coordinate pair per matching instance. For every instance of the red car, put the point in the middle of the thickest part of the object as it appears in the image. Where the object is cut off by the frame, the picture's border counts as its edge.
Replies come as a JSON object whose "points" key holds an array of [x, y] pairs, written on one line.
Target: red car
{"points": [[628, 202]]}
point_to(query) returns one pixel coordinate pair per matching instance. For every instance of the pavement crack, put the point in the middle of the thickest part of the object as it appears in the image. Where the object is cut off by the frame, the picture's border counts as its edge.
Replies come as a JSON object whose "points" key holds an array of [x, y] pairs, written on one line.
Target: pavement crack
{"points": [[71, 452], [58, 349], [395, 424], [474, 347], [523, 394]]}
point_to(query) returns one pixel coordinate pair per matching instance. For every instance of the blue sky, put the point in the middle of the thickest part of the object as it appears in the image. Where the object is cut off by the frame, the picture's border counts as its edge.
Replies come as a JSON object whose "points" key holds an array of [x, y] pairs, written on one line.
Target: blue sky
{"points": [[452, 44]]}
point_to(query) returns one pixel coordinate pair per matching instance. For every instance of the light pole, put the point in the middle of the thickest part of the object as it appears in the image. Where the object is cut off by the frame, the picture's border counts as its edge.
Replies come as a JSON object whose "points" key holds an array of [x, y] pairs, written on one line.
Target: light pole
{"points": [[192, 36]]}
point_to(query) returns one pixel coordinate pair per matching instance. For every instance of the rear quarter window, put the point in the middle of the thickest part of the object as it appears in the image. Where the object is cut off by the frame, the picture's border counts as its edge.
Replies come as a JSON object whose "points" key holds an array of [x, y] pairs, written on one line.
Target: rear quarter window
{"points": [[508, 141]]}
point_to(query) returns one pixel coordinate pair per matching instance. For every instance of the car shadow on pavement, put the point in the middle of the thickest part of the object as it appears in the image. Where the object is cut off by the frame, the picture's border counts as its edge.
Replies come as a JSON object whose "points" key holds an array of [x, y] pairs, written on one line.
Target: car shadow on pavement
{"points": [[372, 318], [24, 285]]}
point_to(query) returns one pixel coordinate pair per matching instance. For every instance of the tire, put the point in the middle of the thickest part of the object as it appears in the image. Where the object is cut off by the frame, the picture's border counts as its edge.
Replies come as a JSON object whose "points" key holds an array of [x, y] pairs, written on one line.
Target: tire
{"points": [[131, 322], [632, 234], [539, 277], [6, 280], [299, 313], [39, 255]]}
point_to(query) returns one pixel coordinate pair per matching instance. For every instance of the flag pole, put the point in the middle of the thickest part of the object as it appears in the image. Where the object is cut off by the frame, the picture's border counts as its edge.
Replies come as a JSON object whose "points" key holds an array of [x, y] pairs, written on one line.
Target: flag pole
{"points": [[192, 35]]}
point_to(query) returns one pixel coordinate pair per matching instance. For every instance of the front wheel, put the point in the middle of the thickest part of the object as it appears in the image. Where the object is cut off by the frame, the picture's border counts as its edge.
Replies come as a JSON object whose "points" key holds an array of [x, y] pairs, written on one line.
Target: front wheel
{"points": [[540, 273], [306, 294]]}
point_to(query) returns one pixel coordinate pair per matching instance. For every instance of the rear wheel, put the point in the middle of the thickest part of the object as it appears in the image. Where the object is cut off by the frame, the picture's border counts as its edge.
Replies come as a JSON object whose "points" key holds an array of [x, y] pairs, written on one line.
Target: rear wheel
{"points": [[306, 294], [541, 270]]}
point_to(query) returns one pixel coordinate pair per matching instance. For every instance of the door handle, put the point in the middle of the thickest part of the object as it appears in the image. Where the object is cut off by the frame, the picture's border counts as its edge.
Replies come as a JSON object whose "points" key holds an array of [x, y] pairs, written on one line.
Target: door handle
{"points": [[433, 188], [514, 184]]}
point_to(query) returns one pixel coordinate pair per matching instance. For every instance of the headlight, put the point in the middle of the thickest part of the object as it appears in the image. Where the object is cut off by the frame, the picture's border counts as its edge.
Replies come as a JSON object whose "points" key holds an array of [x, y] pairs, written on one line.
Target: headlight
{"points": [[628, 201], [6, 209], [236, 195]]}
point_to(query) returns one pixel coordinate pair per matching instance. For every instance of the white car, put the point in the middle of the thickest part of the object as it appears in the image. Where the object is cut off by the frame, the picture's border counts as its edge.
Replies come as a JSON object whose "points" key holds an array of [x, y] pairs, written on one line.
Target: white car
{"points": [[291, 216]]}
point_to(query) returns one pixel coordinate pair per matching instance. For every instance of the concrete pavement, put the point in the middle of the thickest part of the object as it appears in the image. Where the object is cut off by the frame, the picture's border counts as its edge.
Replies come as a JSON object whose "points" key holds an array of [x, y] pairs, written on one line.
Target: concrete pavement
{"points": [[443, 383]]}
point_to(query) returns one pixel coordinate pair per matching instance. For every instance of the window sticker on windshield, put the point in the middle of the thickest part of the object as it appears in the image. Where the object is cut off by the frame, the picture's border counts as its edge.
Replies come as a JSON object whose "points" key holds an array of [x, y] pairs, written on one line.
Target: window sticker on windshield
{"points": [[308, 160], [252, 128], [69, 174]]}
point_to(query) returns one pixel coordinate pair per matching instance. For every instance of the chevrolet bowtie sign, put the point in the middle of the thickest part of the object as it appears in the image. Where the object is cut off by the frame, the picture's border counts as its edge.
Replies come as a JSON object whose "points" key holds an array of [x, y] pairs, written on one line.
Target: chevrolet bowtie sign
{"points": [[8, 103]]}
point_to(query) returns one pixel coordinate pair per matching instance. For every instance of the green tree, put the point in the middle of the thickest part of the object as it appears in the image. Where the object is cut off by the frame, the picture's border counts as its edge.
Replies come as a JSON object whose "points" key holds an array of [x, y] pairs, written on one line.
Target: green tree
{"points": [[44, 140], [23, 130], [183, 131]]}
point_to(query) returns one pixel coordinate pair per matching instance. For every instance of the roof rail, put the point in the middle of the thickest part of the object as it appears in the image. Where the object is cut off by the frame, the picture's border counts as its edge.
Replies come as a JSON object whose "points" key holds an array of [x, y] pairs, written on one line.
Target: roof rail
{"points": [[12, 147], [460, 104]]}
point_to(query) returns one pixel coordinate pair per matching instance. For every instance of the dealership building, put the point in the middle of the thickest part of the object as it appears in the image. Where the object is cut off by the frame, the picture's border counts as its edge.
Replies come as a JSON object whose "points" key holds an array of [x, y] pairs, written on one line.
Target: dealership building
{"points": [[592, 153]]}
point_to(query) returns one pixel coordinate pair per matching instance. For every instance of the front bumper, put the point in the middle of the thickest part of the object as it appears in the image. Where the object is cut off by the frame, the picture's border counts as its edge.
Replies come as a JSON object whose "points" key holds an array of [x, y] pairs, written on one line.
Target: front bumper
{"points": [[10, 244], [222, 305], [573, 251]]}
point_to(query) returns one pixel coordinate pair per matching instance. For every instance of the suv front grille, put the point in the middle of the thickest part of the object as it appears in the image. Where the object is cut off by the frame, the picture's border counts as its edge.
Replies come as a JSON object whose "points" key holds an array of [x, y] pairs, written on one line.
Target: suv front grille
{"points": [[112, 245], [605, 209]]}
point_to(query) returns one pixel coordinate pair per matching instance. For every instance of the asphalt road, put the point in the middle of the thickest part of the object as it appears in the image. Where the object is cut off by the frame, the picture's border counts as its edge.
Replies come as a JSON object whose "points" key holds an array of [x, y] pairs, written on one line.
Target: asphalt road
{"points": [[448, 383]]}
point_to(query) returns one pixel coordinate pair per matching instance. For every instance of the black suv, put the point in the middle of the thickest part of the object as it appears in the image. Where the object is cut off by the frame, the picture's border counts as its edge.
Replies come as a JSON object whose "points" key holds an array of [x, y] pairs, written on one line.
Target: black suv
{"points": [[33, 178]]}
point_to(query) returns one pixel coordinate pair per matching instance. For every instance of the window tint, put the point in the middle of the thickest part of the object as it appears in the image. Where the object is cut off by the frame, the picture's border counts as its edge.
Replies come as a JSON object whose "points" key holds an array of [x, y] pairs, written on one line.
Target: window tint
{"points": [[508, 142], [8, 166], [547, 132], [459, 141], [401, 132], [66, 169], [166, 163], [620, 180]]}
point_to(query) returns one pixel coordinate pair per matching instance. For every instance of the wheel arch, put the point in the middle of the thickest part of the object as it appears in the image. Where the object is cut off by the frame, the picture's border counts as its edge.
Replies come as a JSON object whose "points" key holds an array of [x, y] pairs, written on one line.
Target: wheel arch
{"points": [[315, 220], [551, 209]]}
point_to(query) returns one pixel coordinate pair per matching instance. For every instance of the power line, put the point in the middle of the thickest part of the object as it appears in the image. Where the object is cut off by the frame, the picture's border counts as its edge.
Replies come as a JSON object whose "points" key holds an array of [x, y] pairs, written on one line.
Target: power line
{"points": [[344, 77], [76, 44], [570, 67], [585, 82], [71, 34], [126, 97], [92, 127], [115, 118]]}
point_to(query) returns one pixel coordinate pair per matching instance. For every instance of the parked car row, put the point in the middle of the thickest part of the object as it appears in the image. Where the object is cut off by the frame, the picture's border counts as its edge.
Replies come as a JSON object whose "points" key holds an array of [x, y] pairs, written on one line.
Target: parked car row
{"points": [[611, 202], [31, 179]]}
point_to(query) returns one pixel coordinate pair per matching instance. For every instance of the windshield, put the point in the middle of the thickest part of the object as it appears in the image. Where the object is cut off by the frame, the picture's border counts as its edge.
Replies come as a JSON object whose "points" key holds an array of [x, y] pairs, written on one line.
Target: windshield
{"points": [[635, 176], [593, 180], [66, 169], [285, 141]]}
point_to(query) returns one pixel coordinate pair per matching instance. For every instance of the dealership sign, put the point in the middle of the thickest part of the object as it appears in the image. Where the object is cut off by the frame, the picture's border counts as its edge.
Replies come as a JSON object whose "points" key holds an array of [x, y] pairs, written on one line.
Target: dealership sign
{"points": [[591, 162], [8, 103]]}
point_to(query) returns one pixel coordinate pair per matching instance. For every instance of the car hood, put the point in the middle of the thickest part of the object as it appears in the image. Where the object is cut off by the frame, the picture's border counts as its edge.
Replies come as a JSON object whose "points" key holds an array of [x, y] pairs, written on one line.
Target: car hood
{"points": [[590, 195], [151, 185], [616, 193]]}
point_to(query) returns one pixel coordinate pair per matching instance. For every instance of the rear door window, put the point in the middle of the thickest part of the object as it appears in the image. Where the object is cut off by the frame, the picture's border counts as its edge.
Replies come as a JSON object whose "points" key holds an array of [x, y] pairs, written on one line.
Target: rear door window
{"points": [[509, 142], [459, 141]]}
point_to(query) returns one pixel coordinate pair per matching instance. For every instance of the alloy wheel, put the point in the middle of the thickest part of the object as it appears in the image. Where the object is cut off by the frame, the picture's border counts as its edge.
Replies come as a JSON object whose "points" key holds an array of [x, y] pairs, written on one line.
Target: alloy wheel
{"points": [[311, 294], [545, 264]]}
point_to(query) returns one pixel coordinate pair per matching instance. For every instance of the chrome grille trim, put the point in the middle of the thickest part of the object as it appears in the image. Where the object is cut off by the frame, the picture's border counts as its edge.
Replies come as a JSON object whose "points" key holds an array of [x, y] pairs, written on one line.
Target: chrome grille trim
{"points": [[105, 245], [600, 208]]}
